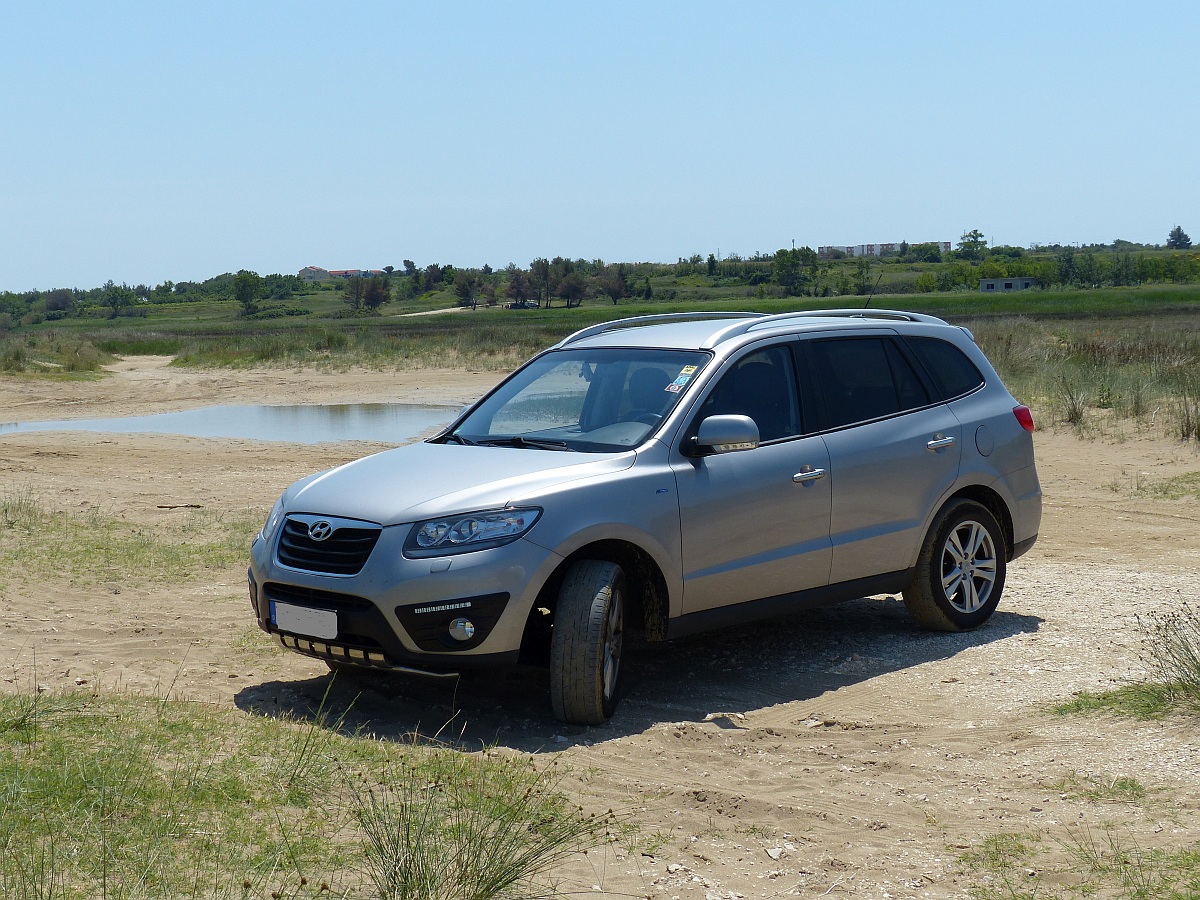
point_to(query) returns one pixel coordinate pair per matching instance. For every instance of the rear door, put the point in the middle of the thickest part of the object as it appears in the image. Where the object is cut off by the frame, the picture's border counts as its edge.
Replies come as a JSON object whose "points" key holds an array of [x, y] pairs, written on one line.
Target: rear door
{"points": [[893, 451]]}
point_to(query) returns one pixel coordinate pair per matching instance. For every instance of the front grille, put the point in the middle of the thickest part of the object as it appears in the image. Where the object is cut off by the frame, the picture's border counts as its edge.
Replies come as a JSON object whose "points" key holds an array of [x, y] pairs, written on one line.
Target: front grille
{"points": [[344, 552]]}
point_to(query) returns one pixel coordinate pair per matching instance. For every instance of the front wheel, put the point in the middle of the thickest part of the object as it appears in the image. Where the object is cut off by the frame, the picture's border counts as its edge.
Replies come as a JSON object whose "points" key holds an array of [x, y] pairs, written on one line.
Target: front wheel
{"points": [[960, 572], [585, 648]]}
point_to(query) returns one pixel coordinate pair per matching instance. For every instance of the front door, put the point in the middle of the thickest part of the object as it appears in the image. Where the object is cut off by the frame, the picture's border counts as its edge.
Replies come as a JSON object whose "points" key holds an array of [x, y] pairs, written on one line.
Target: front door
{"points": [[755, 523]]}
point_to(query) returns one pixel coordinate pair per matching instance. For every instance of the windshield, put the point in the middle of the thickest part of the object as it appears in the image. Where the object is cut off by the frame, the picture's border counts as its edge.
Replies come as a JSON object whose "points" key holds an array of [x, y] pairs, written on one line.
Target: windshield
{"points": [[595, 401]]}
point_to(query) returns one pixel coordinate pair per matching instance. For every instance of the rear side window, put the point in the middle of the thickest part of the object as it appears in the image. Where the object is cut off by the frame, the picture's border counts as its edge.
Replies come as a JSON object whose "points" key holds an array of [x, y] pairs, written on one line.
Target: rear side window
{"points": [[952, 371], [864, 378]]}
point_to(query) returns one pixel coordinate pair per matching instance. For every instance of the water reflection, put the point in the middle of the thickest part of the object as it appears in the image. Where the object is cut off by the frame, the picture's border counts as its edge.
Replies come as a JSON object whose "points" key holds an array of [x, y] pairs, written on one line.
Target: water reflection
{"points": [[392, 423]]}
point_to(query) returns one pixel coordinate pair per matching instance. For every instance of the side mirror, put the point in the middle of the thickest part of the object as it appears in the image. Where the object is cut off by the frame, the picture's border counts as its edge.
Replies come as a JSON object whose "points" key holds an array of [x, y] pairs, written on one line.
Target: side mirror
{"points": [[724, 434]]}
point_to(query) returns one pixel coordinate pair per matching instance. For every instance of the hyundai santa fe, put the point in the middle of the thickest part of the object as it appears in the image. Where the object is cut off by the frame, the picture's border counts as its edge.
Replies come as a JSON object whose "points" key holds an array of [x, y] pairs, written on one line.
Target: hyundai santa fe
{"points": [[664, 474]]}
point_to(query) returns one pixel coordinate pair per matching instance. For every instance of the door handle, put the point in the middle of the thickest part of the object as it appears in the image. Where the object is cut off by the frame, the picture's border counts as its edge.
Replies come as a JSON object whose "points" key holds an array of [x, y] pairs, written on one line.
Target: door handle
{"points": [[940, 441], [808, 474]]}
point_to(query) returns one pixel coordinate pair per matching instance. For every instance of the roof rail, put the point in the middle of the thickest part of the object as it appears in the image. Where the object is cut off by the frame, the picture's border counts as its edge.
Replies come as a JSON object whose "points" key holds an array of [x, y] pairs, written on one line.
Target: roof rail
{"points": [[765, 321], [636, 321], [898, 315]]}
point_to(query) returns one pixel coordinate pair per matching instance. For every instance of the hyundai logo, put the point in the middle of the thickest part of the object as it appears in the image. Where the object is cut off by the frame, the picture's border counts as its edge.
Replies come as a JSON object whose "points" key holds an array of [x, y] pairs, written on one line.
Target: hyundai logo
{"points": [[320, 530]]}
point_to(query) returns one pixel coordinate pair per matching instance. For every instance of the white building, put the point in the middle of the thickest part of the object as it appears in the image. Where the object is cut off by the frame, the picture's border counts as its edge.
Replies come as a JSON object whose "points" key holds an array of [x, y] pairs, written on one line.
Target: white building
{"points": [[875, 249]]}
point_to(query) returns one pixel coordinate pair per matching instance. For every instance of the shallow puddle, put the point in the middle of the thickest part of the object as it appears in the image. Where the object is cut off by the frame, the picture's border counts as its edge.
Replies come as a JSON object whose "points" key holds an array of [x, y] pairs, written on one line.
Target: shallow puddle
{"points": [[393, 423]]}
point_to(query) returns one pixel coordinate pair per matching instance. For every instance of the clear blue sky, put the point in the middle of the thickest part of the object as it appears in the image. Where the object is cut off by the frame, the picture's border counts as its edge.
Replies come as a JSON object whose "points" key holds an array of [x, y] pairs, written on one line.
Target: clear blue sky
{"points": [[179, 140]]}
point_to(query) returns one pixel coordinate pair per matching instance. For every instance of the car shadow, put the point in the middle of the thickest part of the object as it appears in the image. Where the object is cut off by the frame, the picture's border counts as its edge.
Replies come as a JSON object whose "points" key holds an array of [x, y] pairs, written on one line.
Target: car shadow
{"points": [[714, 676]]}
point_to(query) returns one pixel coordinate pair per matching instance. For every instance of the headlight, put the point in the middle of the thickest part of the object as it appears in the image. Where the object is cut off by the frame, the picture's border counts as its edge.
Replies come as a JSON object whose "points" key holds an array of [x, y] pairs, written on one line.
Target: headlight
{"points": [[273, 520], [468, 531]]}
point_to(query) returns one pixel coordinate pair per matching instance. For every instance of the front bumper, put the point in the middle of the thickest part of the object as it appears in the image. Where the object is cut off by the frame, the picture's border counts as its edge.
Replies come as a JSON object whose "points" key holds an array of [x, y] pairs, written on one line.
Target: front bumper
{"points": [[395, 613]]}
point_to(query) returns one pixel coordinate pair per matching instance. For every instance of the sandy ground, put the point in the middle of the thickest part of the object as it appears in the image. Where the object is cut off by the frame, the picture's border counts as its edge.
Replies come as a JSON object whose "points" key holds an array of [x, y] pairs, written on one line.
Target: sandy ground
{"points": [[839, 752]]}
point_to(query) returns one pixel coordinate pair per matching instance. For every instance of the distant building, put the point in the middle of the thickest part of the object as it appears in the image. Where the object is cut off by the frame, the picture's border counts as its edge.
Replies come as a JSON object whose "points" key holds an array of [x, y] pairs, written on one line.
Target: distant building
{"points": [[874, 249], [316, 273], [1008, 284], [355, 273]]}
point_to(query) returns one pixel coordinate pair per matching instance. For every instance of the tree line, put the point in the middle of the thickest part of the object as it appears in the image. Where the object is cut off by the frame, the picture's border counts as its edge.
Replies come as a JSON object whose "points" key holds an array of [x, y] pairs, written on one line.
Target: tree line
{"points": [[794, 271]]}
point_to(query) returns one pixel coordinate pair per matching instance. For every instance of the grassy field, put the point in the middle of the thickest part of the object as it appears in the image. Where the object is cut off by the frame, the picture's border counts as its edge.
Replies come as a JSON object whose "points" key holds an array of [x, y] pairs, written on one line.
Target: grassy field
{"points": [[1084, 357], [117, 796]]}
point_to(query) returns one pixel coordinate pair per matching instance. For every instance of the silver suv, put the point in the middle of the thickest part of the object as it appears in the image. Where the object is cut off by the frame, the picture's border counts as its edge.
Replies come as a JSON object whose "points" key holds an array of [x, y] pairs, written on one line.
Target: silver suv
{"points": [[670, 474]]}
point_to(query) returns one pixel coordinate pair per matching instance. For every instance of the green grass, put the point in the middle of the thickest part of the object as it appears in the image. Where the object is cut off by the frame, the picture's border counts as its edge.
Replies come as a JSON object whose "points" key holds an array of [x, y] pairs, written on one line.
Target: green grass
{"points": [[1136, 701], [1096, 790], [1083, 863], [1110, 864], [50, 353], [1175, 488], [120, 796], [1171, 656], [91, 547]]}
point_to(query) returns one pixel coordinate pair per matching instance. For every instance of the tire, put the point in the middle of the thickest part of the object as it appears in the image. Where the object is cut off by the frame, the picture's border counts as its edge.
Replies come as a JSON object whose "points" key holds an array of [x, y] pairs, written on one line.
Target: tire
{"points": [[960, 572], [585, 647]]}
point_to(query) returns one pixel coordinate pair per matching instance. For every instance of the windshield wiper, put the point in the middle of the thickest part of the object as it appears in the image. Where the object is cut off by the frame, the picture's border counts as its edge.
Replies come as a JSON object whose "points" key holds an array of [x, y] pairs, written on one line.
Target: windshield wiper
{"points": [[524, 443], [457, 439]]}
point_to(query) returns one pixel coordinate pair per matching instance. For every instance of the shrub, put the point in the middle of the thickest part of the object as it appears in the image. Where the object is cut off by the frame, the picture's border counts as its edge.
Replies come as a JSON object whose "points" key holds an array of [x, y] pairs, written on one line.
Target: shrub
{"points": [[1172, 642]]}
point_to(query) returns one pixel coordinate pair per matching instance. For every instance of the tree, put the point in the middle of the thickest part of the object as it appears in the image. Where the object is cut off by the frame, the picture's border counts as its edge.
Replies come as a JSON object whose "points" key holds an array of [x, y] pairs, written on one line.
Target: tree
{"points": [[614, 282], [1066, 269], [60, 300], [377, 292], [466, 285], [539, 278], [117, 297], [972, 245], [786, 270], [434, 275], [247, 288], [924, 253], [354, 292], [571, 288], [862, 274], [518, 290], [712, 265], [1178, 239]]}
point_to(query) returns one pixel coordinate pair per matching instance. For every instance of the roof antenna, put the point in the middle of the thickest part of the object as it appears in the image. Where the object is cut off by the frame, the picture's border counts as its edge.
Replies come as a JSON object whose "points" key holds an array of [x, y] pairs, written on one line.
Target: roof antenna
{"points": [[872, 294]]}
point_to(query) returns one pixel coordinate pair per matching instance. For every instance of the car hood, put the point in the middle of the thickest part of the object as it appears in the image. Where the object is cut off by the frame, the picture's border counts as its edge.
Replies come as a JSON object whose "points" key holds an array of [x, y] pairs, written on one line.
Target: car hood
{"points": [[421, 481]]}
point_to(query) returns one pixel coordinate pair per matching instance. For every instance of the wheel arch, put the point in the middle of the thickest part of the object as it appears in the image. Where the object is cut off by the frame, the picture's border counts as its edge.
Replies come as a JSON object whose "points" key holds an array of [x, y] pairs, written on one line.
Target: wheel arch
{"points": [[648, 597], [994, 503]]}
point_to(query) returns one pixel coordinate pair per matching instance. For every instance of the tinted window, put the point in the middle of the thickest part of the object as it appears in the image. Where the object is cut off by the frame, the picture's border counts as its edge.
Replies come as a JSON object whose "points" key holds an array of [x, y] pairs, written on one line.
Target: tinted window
{"points": [[762, 386], [952, 371], [865, 378]]}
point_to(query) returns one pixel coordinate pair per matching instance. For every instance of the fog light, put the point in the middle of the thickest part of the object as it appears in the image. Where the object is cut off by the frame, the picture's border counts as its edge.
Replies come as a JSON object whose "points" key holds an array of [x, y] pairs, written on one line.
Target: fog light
{"points": [[462, 629]]}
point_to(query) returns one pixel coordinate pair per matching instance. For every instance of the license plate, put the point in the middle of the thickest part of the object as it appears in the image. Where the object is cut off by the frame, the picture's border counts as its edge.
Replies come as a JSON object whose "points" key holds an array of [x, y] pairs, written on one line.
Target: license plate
{"points": [[318, 623]]}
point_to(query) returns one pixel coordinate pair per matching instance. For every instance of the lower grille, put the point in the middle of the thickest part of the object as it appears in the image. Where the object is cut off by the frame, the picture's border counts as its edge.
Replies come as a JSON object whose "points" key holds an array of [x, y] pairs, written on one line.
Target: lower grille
{"points": [[302, 596], [334, 652]]}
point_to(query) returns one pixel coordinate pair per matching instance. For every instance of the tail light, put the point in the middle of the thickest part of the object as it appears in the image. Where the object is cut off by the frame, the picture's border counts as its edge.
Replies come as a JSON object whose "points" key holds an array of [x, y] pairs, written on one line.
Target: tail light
{"points": [[1024, 416]]}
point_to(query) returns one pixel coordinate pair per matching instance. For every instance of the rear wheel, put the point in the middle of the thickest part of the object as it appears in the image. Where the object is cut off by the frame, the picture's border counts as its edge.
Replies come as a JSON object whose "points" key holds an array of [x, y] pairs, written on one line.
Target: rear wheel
{"points": [[960, 572], [585, 647]]}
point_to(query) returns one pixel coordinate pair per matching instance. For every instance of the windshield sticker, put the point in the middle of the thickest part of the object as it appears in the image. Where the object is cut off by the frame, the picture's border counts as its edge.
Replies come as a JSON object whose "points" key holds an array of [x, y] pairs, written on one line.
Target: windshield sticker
{"points": [[674, 388], [688, 370]]}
